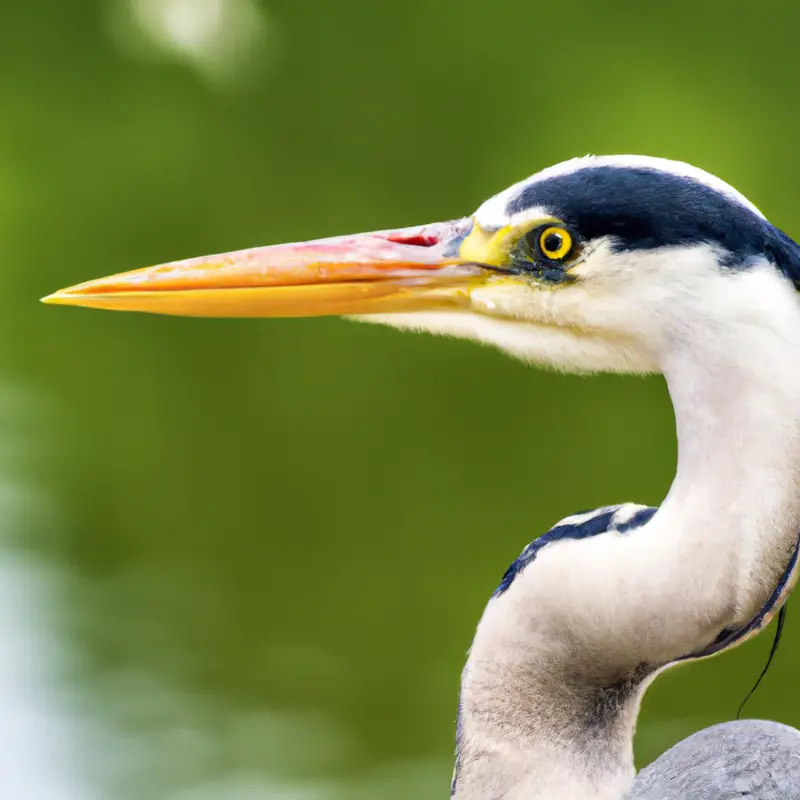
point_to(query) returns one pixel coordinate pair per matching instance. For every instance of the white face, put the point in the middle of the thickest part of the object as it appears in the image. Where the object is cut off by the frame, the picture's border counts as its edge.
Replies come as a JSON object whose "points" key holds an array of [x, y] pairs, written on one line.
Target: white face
{"points": [[641, 253]]}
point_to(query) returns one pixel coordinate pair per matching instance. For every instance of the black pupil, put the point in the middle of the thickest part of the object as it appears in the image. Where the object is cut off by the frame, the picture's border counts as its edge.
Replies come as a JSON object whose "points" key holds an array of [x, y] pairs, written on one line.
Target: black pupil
{"points": [[552, 243]]}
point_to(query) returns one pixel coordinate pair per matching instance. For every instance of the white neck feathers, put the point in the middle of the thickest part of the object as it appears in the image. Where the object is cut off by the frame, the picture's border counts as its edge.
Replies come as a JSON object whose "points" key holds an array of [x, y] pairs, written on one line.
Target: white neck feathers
{"points": [[560, 661]]}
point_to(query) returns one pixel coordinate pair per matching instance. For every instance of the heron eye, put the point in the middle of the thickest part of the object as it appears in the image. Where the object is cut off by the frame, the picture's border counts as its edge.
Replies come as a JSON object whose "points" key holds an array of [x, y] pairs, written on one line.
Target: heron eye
{"points": [[554, 243]]}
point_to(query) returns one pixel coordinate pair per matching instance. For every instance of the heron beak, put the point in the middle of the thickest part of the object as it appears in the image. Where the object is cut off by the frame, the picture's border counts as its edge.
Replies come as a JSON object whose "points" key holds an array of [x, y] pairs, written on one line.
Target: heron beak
{"points": [[413, 269]]}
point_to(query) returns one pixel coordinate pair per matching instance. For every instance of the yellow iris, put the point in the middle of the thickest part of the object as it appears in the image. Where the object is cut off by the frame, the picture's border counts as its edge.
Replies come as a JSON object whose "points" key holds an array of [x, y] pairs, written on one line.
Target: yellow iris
{"points": [[555, 243]]}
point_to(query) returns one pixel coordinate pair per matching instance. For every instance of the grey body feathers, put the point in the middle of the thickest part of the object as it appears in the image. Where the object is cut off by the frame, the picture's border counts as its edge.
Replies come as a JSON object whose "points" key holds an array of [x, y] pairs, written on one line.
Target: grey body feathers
{"points": [[753, 759]]}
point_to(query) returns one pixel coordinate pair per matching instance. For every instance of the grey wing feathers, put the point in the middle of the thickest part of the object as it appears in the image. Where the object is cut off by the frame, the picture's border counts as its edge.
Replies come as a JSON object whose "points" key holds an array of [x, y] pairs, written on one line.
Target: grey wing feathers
{"points": [[752, 759]]}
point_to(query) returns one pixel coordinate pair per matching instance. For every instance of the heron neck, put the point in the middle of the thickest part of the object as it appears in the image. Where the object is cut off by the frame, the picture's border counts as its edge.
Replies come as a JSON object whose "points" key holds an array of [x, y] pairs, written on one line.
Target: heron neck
{"points": [[526, 733], [734, 505], [542, 717]]}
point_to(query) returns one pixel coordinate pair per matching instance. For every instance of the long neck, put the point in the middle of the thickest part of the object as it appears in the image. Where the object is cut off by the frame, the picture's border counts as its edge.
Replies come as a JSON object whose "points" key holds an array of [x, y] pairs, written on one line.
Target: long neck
{"points": [[551, 692], [734, 505]]}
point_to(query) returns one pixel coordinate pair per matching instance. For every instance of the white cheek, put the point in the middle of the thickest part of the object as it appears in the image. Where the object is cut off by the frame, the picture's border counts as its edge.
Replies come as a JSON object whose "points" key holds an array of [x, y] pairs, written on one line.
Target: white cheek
{"points": [[503, 298], [482, 303]]}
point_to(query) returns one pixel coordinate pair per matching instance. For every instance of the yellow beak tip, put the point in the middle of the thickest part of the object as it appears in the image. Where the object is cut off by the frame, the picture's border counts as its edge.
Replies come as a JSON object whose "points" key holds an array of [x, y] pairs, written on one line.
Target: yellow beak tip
{"points": [[58, 299]]}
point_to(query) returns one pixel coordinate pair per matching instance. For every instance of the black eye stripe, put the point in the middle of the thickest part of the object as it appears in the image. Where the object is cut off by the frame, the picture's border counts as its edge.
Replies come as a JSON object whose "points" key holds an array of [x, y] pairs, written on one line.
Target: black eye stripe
{"points": [[643, 208]]}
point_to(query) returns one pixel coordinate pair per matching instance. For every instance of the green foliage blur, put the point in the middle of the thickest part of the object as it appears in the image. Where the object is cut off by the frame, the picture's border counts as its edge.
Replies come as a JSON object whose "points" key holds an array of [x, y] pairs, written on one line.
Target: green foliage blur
{"points": [[255, 551]]}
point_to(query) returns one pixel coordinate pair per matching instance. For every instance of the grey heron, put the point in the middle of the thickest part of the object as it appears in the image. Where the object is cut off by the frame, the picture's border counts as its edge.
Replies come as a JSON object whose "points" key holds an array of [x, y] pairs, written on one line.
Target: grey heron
{"points": [[618, 263]]}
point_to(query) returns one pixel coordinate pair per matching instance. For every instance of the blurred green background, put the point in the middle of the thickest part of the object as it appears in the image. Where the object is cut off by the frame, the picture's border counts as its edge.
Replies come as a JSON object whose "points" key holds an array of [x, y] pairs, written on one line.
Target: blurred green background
{"points": [[245, 559]]}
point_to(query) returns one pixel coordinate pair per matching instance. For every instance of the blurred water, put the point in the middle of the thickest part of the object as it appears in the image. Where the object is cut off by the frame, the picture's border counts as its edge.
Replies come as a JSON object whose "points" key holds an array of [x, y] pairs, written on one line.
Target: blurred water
{"points": [[148, 741], [126, 733], [40, 748], [40, 752]]}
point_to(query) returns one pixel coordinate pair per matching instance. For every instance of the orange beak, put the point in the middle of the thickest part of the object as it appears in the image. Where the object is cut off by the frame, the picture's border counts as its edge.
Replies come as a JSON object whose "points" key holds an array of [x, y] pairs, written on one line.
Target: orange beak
{"points": [[413, 269]]}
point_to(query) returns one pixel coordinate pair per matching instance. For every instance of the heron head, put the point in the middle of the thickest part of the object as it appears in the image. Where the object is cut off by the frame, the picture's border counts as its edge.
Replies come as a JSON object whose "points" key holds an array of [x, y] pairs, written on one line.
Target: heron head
{"points": [[599, 263]]}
